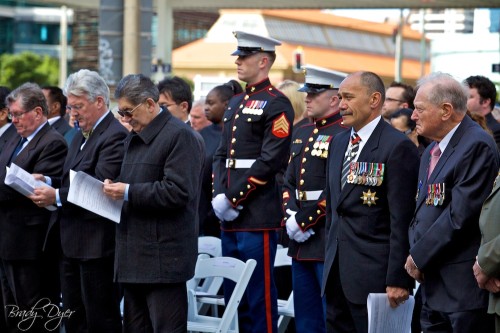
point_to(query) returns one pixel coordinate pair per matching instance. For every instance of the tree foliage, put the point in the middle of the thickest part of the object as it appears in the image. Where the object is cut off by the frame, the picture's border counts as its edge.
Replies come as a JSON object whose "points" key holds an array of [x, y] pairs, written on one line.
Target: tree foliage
{"points": [[16, 69]]}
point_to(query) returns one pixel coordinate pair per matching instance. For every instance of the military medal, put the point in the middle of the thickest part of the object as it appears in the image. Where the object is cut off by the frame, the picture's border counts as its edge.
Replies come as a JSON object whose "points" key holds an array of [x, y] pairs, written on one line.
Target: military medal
{"points": [[369, 198], [441, 197], [352, 176], [380, 173], [436, 194], [428, 201]]}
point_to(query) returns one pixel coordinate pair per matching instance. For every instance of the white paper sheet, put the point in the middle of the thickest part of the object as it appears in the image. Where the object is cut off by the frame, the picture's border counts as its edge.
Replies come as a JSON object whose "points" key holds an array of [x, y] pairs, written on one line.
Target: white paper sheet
{"points": [[86, 191], [384, 319], [23, 182]]}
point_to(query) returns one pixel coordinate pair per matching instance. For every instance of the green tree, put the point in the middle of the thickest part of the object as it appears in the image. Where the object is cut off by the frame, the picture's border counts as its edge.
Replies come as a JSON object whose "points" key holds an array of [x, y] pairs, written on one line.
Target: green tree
{"points": [[16, 69]]}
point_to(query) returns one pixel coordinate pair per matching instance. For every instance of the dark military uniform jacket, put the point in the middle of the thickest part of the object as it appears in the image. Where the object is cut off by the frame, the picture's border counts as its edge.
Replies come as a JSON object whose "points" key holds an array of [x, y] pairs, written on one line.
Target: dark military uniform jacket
{"points": [[254, 147], [304, 182]]}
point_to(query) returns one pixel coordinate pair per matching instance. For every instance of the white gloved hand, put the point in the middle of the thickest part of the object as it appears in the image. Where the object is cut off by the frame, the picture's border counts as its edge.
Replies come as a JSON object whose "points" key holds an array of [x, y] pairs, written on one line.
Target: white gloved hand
{"points": [[301, 237], [291, 226], [230, 215], [221, 204]]}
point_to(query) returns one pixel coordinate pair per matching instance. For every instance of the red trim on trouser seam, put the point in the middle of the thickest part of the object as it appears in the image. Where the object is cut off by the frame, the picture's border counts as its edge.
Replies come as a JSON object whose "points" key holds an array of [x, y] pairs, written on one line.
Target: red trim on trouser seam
{"points": [[267, 279]]}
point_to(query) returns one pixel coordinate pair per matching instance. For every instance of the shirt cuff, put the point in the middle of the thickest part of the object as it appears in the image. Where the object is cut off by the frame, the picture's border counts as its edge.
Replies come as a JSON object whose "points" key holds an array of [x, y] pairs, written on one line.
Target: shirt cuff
{"points": [[125, 195], [413, 261], [58, 198], [48, 181]]}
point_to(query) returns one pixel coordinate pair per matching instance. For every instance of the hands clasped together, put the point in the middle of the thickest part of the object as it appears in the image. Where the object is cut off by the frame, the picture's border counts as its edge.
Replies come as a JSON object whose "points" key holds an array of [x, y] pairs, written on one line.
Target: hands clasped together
{"points": [[293, 230], [223, 209]]}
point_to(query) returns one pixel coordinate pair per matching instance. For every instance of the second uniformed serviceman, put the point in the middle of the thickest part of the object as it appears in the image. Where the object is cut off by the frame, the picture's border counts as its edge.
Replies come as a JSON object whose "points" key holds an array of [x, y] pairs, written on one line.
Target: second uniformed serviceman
{"points": [[254, 148], [304, 182]]}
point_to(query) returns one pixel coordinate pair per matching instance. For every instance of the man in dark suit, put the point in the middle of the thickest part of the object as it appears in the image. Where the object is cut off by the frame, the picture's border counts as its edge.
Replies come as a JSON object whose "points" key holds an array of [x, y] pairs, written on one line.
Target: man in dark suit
{"points": [[7, 130], [456, 175], [371, 182], [87, 239], [56, 102], [156, 240], [37, 149], [481, 100]]}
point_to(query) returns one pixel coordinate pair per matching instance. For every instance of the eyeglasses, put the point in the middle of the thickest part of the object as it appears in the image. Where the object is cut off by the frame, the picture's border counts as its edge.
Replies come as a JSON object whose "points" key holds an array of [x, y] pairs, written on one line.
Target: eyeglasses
{"points": [[128, 113], [17, 115], [77, 107], [388, 99]]}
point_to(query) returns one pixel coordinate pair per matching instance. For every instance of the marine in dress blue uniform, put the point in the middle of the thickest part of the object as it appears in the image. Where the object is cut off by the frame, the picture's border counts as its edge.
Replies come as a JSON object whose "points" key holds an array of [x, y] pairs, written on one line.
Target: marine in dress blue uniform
{"points": [[304, 181], [254, 148]]}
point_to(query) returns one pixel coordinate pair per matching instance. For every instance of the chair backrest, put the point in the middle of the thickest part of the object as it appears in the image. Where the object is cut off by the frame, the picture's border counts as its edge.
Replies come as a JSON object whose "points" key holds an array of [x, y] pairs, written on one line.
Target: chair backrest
{"points": [[285, 306], [282, 258], [225, 267], [210, 245]]}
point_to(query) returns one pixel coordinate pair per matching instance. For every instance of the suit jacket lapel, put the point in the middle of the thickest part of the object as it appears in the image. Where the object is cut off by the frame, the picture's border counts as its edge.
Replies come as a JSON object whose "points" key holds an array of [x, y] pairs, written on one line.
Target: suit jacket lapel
{"points": [[450, 148], [26, 152], [78, 154], [422, 176]]}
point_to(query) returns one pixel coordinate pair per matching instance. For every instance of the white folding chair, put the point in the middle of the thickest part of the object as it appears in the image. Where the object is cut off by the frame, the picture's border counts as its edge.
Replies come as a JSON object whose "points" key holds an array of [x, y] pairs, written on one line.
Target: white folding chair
{"points": [[210, 245], [228, 268], [285, 306]]}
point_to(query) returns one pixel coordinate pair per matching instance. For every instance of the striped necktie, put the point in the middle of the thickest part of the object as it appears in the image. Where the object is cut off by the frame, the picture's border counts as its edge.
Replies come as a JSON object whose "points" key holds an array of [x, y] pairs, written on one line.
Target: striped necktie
{"points": [[349, 157]]}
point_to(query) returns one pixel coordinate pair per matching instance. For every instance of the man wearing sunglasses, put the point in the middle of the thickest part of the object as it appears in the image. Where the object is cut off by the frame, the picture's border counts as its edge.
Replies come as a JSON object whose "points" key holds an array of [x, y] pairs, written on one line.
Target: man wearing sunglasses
{"points": [[87, 239], [37, 148], [156, 240]]}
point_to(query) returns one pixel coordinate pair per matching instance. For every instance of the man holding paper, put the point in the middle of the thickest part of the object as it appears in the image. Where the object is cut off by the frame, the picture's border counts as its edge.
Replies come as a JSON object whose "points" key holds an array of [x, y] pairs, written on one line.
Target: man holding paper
{"points": [[87, 239], [156, 240], [37, 148]]}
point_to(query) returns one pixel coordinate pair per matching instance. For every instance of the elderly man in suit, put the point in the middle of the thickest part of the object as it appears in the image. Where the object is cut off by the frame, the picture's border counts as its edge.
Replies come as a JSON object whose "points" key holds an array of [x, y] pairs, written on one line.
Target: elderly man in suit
{"points": [[370, 198], [487, 266], [456, 175], [156, 240], [37, 148], [87, 239]]}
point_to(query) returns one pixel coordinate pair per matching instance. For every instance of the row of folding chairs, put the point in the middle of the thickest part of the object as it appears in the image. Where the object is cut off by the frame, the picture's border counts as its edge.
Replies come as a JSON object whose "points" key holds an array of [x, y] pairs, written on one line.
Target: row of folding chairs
{"points": [[203, 298]]}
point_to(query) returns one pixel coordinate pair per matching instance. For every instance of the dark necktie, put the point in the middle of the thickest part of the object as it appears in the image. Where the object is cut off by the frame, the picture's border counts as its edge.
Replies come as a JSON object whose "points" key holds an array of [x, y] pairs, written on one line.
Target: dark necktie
{"points": [[435, 155], [18, 148], [351, 154]]}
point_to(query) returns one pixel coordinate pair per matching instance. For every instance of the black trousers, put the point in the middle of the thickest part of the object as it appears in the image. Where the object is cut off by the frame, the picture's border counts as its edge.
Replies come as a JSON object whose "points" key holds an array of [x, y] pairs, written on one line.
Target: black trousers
{"points": [[91, 295], [155, 308], [456, 322], [342, 316], [22, 290]]}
